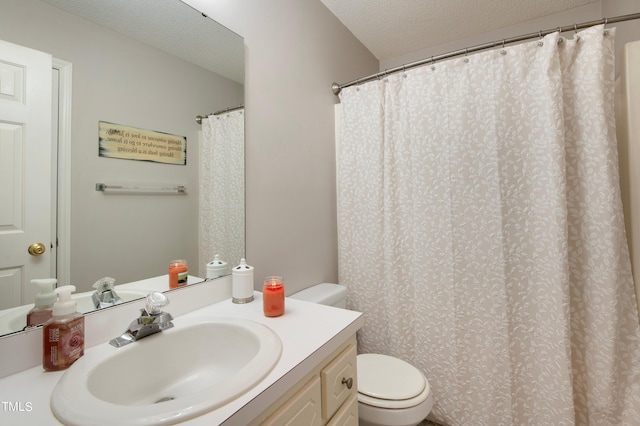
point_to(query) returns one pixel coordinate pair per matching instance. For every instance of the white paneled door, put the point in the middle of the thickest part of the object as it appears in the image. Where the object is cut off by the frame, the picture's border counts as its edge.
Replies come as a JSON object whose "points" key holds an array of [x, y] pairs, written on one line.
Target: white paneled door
{"points": [[25, 172]]}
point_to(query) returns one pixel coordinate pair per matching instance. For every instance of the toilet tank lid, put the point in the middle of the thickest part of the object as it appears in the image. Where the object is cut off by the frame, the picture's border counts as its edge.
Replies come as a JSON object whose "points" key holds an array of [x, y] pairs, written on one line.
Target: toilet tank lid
{"points": [[324, 294]]}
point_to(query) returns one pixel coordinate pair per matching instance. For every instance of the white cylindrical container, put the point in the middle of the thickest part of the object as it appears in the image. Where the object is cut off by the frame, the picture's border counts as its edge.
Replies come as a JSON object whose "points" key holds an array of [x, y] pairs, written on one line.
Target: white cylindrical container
{"points": [[242, 283], [217, 268]]}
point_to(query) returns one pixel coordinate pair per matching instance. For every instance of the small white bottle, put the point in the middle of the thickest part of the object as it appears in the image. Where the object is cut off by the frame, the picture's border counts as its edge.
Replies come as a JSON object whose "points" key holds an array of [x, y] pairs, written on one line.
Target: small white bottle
{"points": [[63, 334], [242, 283]]}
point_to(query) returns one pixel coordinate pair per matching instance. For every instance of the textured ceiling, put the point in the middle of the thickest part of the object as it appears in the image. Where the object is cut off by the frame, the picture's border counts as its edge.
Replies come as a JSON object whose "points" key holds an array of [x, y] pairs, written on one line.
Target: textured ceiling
{"points": [[391, 28]]}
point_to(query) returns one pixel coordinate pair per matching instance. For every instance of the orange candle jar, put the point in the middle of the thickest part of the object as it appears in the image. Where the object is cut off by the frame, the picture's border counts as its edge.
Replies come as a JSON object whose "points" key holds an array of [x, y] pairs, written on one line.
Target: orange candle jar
{"points": [[178, 272], [273, 297]]}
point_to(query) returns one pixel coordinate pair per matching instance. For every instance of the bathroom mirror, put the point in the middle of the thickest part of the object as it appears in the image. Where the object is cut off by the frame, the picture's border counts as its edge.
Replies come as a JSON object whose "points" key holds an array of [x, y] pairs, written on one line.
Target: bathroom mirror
{"points": [[153, 65]]}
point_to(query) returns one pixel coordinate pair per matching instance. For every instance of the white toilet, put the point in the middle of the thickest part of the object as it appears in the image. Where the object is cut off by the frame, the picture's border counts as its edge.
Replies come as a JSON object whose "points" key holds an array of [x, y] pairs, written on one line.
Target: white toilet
{"points": [[391, 392]]}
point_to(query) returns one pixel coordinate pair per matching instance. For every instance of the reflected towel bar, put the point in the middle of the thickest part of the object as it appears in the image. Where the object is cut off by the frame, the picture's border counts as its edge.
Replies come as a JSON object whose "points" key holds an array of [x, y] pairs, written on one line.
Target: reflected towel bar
{"points": [[178, 189]]}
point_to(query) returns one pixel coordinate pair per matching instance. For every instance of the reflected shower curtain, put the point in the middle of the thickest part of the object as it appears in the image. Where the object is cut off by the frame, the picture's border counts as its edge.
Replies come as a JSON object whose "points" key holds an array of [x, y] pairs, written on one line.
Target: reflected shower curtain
{"points": [[481, 233], [222, 189]]}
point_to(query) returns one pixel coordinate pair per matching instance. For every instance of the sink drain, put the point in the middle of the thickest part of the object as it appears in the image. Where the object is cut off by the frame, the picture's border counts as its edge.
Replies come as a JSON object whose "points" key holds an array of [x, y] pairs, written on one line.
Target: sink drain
{"points": [[165, 399]]}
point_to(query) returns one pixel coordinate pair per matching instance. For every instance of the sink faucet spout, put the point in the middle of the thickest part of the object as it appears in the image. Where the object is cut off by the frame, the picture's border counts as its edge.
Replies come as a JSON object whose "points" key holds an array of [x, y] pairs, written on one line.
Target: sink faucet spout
{"points": [[151, 321]]}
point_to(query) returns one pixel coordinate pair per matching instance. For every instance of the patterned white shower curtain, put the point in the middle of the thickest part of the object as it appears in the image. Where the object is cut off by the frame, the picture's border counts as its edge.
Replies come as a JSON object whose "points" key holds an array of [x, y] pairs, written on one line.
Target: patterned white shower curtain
{"points": [[481, 233], [221, 179]]}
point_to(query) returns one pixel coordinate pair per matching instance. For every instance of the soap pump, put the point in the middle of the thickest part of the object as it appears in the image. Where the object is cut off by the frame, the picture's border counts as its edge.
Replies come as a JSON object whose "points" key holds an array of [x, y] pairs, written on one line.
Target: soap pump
{"points": [[63, 333], [242, 283], [45, 299]]}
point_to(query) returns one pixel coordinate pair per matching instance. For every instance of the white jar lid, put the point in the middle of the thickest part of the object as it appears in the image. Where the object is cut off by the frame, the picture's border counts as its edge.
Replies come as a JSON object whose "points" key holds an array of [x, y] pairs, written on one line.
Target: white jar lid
{"points": [[385, 377]]}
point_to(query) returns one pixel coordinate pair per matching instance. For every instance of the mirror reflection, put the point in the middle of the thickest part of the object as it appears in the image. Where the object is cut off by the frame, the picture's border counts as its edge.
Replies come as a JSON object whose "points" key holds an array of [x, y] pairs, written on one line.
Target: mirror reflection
{"points": [[153, 65]]}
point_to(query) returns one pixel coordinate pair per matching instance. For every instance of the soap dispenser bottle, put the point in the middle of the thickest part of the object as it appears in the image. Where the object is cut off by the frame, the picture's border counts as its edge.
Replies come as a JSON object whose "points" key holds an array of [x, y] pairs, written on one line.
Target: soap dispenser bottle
{"points": [[63, 334], [45, 299]]}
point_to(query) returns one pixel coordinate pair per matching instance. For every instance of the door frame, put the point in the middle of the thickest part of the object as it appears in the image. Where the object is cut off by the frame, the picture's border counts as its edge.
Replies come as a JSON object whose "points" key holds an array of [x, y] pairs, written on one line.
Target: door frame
{"points": [[61, 179]]}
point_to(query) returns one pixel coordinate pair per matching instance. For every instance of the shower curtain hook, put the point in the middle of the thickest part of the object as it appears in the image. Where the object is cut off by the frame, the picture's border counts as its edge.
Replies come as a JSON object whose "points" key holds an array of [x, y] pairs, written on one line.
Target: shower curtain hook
{"points": [[404, 70], [433, 67], [575, 32], [466, 60], [540, 42], [503, 52], [606, 31]]}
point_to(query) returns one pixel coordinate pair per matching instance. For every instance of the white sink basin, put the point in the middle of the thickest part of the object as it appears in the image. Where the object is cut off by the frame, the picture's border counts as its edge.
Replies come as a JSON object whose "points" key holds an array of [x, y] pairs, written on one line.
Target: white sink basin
{"points": [[194, 367]]}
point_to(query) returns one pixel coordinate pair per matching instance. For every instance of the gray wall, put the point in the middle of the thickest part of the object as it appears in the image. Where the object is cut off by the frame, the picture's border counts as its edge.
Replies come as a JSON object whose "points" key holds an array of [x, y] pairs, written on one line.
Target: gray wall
{"points": [[295, 49], [135, 236]]}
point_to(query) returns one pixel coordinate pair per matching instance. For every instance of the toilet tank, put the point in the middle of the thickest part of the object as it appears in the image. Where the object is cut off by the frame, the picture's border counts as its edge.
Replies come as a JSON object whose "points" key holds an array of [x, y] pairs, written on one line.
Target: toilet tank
{"points": [[324, 294]]}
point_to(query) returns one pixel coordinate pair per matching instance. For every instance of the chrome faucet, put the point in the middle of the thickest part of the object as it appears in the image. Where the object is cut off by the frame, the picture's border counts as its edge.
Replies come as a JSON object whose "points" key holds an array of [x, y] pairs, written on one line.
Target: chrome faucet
{"points": [[105, 295], [151, 320]]}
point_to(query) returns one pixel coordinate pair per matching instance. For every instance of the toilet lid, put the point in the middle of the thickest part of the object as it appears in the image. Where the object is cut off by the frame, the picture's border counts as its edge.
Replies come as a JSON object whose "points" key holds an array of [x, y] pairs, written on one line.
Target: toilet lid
{"points": [[385, 377]]}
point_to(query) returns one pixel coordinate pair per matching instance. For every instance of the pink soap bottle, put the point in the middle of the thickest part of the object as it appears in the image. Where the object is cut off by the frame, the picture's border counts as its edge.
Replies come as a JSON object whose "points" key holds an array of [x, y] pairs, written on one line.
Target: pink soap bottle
{"points": [[63, 334], [45, 299]]}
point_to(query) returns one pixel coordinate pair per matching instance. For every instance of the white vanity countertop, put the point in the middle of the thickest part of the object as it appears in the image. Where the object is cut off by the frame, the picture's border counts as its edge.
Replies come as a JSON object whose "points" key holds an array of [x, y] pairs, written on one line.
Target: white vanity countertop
{"points": [[309, 333]]}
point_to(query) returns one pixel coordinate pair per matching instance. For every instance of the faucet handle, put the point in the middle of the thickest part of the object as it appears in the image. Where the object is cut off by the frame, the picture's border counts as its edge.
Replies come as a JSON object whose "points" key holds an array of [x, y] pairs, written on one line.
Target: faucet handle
{"points": [[104, 284], [155, 302]]}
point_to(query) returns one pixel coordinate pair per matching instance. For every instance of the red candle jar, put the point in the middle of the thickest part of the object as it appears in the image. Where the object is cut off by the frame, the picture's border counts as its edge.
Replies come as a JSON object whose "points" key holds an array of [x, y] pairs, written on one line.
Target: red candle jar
{"points": [[273, 297], [178, 273]]}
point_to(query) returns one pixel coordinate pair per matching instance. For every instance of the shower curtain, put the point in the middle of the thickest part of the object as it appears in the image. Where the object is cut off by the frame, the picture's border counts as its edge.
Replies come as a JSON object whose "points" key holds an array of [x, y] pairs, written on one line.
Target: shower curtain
{"points": [[222, 189], [481, 233]]}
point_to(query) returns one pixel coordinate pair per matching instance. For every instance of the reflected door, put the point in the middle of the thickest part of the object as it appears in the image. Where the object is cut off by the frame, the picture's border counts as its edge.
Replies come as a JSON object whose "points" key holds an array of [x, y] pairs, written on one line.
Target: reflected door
{"points": [[25, 172]]}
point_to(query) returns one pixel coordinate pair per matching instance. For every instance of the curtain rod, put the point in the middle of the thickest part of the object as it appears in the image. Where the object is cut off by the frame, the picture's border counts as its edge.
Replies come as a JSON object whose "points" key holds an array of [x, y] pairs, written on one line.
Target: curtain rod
{"points": [[222, 111], [338, 87]]}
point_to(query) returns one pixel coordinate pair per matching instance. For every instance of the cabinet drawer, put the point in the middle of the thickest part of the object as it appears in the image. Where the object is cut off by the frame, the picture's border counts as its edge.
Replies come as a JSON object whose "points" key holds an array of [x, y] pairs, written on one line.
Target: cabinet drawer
{"points": [[347, 415], [335, 379], [302, 409]]}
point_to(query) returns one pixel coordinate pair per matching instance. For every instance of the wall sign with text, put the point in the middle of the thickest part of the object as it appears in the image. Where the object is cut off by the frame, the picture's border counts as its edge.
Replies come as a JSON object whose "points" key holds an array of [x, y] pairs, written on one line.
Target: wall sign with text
{"points": [[130, 143]]}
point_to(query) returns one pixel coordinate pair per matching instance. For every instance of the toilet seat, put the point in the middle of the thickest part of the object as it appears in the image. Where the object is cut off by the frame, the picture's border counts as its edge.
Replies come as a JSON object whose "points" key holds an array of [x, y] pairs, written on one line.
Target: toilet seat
{"points": [[388, 382]]}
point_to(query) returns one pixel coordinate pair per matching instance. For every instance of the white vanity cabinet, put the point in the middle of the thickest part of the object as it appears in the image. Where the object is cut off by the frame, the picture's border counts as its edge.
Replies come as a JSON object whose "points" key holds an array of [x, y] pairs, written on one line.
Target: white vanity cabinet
{"points": [[326, 396]]}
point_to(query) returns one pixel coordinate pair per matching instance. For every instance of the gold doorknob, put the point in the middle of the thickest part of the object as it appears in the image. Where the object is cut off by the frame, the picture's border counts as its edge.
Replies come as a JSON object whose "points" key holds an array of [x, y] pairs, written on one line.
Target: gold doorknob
{"points": [[36, 249]]}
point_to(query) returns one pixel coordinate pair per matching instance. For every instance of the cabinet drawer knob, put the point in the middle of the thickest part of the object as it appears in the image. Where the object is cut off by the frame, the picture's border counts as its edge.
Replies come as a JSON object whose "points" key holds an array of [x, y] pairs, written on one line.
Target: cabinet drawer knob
{"points": [[348, 382]]}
